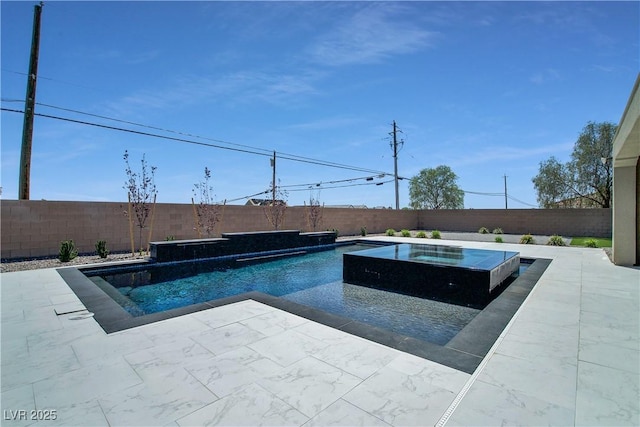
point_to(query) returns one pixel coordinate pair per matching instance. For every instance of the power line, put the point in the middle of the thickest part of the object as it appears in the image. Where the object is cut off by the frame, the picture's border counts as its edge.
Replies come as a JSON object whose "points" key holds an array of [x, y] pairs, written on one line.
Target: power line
{"points": [[343, 186], [285, 156], [482, 194], [369, 178], [288, 156], [520, 201], [50, 79]]}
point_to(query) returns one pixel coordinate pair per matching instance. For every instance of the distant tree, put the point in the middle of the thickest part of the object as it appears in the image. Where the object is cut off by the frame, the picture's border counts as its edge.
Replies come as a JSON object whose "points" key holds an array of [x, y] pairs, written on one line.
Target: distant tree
{"points": [[435, 189], [142, 192], [587, 179], [208, 212]]}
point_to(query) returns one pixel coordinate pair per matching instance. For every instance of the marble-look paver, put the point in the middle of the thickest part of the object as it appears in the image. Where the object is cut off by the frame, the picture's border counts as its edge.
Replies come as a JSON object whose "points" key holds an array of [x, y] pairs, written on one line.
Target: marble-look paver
{"points": [[570, 356]]}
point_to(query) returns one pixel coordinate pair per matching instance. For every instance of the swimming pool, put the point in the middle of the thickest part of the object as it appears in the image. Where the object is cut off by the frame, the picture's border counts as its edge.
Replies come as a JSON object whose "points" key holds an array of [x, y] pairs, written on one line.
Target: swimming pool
{"points": [[313, 280], [411, 325]]}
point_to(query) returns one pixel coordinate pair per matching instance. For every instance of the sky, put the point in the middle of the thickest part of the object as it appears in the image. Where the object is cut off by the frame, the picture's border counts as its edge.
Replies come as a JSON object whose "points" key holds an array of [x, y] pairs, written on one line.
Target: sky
{"points": [[489, 89]]}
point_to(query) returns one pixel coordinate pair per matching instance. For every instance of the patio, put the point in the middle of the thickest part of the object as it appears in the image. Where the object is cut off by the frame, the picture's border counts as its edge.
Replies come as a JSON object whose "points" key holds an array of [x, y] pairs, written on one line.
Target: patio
{"points": [[570, 356]]}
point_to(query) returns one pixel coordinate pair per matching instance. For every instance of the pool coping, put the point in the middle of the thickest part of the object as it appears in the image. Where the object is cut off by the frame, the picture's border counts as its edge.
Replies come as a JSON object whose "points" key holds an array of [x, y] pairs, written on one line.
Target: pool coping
{"points": [[463, 352]]}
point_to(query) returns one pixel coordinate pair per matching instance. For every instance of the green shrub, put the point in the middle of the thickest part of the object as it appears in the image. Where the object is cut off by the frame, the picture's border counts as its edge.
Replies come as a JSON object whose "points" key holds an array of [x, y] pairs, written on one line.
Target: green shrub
{"points": [[591, 243], [363, 231], [101, 248], [68, 251], [527, 239], [390, 232], [435, 234], [421, 235], [499, 239], [498, 231], [335, 230], [483, 230], [170, 238], [556, 240], [405, 233]]}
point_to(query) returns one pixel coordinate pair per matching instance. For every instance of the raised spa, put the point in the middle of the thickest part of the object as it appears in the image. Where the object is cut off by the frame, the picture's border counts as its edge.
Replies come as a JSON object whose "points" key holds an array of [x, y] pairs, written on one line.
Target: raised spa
{"points": [[451, 274]]}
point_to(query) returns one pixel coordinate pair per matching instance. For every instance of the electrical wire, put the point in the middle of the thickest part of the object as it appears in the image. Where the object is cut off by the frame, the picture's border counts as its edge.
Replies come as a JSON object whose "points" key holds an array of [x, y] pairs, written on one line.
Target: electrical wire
{"points": [[369, 177], [520, 201], [284, 156], [245, 148], [246, 197], [482, 194], [342, 186]]}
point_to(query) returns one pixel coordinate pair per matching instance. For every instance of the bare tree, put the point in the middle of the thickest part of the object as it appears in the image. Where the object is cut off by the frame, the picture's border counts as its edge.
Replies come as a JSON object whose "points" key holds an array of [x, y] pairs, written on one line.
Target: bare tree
{"points": [[314, 212], [208, 213], [142, 193], [276, 208]]}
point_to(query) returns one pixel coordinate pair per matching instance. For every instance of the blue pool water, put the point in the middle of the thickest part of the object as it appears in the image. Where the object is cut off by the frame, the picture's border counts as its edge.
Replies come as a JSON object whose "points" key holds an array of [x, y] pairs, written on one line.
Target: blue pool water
{"points": [[314, 280]]}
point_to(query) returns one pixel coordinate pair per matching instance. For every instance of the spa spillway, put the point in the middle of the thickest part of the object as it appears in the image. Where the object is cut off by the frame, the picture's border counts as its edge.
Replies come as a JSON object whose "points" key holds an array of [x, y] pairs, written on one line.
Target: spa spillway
{"points": [[451, 274]]}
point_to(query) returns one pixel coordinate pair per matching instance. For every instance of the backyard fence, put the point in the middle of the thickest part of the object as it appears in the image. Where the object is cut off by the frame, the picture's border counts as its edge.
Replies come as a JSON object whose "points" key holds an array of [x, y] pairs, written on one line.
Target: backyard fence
{"points": [[33, 228]]}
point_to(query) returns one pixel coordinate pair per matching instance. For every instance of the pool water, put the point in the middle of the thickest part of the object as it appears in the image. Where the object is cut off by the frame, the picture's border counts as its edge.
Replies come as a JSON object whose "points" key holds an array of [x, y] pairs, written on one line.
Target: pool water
{"points": [[313, 279]]}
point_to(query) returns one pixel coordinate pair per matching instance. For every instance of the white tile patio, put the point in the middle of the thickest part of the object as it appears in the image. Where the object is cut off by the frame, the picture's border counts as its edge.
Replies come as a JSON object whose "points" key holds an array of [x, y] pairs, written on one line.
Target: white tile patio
{"points": [[570, 356]]}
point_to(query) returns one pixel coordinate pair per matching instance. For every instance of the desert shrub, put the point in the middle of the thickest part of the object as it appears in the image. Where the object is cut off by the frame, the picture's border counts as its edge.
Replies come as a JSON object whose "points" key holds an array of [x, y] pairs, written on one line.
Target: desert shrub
{"points": [[421, 235], [435, 234], [390, 232], [483, 230], [68, 251], [556, 240], [363, 231], [101, 249], [527, 239], [405, 233], [498, 239], [497, 231], [591, 243]]}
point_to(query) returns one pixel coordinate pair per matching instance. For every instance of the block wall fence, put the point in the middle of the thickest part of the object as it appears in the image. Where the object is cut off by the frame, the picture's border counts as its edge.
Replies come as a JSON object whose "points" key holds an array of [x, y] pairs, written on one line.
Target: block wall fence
{"points": [[32, 228]]}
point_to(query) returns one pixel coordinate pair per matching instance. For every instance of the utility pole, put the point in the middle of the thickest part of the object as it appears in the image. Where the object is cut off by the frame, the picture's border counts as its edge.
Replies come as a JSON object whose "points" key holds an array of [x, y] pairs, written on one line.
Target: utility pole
{"points": [[273, 180], [505, 192], [395, 161], [24, 181]]}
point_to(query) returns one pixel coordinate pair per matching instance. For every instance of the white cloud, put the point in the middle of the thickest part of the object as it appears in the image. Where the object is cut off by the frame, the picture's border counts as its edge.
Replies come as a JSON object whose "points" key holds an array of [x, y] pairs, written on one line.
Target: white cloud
{"points": [[545, 76], [494, 154], [324, 124], [237, 87], [369, 36]]}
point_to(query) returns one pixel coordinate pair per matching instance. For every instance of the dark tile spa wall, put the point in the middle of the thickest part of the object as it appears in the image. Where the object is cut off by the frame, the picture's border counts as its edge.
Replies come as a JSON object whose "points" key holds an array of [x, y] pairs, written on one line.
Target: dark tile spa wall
{"points": [[237, 243]]}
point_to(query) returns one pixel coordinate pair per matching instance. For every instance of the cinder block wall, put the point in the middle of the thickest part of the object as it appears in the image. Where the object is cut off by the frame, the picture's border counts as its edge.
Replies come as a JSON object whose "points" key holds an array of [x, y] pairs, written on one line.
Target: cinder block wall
{"points": [[565, 222], [36, 228]]}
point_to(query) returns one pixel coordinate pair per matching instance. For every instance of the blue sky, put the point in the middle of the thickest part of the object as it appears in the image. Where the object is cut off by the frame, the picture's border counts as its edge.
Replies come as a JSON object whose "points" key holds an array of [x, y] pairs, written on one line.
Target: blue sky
{"points": [[487, 88]]}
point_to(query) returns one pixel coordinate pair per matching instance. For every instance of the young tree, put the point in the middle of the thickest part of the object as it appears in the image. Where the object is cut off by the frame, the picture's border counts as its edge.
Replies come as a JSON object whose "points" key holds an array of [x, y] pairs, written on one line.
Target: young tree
{"points": [[587, 178], [208, 213], [314, 212], [276, 208], [435, 189], [142, 192]]}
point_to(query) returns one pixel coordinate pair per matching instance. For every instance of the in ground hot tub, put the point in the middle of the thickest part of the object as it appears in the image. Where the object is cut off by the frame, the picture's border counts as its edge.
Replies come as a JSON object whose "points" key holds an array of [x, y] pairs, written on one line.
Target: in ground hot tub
{"points": [[452, 274]]}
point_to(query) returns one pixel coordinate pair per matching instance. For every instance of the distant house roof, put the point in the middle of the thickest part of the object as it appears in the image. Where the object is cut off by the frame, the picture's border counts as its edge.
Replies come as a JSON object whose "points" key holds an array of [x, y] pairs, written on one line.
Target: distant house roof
{"points": [[264, 202], [577, 202]]}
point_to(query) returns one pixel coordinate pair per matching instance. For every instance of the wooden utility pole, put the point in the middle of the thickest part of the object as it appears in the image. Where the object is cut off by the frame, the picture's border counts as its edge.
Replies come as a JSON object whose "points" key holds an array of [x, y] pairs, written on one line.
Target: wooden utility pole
{"points": [[24, 182], [395, 162], [273, 180], [505, 192]]}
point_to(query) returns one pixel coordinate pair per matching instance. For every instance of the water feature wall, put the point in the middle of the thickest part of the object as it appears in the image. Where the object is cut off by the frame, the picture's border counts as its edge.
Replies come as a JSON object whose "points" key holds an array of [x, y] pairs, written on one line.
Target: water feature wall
{"points": [[238, 243]]}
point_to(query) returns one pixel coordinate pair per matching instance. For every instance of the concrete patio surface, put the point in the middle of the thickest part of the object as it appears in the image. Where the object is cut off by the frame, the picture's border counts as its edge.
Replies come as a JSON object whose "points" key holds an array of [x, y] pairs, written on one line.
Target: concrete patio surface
{"points": [[570, 356]]}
